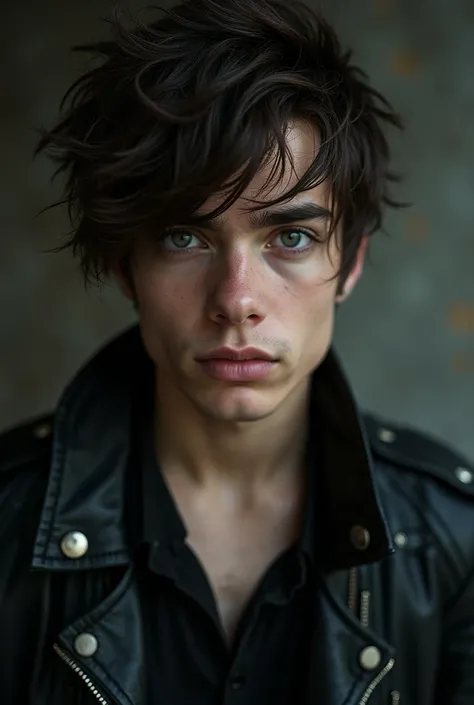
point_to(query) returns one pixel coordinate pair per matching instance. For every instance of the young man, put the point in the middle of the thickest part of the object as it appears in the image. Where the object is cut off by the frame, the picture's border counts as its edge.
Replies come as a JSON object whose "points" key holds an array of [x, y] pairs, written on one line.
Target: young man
{"points": [[207, 518]]}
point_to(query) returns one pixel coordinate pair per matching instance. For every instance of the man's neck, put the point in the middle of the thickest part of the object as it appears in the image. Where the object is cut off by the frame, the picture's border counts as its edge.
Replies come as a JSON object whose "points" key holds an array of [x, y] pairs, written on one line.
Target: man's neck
{"points": [[245, 454]]}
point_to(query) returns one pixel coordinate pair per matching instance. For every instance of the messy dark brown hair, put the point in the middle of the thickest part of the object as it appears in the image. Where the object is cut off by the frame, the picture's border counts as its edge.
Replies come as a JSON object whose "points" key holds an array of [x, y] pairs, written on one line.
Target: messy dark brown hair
{"points": [[194, 104]]}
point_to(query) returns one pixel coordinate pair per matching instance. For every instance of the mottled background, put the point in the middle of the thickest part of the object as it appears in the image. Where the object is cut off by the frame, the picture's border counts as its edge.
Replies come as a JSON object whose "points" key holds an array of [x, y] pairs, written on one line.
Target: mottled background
{"points": [[407, 335]]}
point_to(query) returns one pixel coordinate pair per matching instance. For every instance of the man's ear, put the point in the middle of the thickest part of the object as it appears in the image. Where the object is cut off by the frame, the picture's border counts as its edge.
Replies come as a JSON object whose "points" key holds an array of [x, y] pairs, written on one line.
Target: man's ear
{"points": [[355, 273]]}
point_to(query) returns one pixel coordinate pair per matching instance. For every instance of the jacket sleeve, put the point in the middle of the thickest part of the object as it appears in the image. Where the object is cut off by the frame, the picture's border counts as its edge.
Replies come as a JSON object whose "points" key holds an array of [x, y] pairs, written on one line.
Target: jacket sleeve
{"points": [[23, 477], [455, 683]]}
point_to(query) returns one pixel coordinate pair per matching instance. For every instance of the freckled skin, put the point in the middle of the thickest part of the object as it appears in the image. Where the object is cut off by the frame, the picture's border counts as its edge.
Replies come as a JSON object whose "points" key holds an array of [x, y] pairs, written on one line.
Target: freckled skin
{"points": [[240, 287]]}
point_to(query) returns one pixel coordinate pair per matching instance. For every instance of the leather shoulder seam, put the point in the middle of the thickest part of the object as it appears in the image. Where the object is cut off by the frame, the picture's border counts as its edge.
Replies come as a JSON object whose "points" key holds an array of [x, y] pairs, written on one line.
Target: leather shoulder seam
{"points": [[420, 452]]}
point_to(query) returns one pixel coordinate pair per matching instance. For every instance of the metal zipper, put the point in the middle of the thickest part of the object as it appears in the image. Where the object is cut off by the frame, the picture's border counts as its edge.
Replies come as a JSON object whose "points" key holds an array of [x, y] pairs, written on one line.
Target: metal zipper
{"points": [[352, 589], [395, 697], [365, 608], [77, 669], [378, 678]]}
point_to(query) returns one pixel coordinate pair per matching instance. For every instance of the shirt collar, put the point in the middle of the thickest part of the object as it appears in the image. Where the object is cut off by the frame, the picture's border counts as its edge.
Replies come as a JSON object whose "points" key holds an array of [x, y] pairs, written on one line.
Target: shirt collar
{"points": [[162, 522]]}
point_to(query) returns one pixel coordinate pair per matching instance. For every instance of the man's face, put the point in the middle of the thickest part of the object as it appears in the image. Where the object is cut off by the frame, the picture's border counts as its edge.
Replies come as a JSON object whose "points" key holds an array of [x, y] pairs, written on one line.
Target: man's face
{"points": [[207, 293]]}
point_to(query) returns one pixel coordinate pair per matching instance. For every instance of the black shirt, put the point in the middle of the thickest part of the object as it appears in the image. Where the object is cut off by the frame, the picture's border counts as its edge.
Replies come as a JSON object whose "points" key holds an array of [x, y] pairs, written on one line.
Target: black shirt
{"points": [[188, 661]]}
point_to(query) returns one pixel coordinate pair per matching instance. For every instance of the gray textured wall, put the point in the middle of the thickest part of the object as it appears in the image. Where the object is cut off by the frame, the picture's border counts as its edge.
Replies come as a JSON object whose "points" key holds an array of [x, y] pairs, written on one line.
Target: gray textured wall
{"points": [[407, 335]]}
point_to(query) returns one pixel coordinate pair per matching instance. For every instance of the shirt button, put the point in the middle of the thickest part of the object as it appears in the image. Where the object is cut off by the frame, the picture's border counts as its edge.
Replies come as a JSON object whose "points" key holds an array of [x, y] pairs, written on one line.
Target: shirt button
{"points": [[86, 645], [237, 682], [74, 544]]}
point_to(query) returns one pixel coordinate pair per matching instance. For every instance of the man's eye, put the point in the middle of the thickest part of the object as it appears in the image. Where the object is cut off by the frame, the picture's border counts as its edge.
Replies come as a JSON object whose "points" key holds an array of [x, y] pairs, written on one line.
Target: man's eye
{"points": [[180, 240], [295, 239]]}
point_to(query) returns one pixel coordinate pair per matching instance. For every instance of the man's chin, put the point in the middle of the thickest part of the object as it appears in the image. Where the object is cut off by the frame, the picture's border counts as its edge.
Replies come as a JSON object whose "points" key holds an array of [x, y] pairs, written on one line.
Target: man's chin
{"points": [[240, 415], [238, 406]]}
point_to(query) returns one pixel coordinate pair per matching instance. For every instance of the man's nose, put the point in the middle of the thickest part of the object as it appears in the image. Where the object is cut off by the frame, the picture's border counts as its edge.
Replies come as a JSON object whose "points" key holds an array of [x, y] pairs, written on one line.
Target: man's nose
{"points": [[236, 295]]}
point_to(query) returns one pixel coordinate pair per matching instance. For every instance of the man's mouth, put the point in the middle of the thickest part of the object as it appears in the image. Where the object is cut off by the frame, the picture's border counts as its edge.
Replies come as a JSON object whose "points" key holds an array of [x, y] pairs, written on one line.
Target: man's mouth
{"points": [[237, 364], [238, 355]]}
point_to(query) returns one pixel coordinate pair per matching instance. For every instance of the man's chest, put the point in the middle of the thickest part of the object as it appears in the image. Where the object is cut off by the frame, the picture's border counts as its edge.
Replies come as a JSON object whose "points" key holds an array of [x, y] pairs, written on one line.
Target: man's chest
{"points": [[236, 545], [235, 562]]}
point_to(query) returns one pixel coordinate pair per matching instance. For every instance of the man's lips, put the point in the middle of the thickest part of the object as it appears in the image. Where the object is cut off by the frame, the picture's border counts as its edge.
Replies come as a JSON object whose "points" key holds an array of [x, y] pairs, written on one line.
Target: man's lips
{"points": [[237, 355], [237, 365]]}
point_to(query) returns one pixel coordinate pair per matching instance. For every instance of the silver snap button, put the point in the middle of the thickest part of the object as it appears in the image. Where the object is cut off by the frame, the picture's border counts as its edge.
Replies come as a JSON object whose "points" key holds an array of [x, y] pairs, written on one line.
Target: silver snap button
{"points": [[370, 658], [74, 544], [43, 430], [85, 645], [360, 538], [464, 475], [401, 539], [386, 435]]}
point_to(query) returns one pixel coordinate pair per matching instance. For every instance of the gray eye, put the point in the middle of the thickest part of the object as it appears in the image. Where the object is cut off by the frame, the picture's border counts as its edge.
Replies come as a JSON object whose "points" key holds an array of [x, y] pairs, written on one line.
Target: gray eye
{"points": [[181, 239], [292, 238]]}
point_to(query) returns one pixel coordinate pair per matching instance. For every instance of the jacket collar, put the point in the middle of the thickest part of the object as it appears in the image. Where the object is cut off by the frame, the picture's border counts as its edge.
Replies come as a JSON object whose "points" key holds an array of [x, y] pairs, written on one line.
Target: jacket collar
{"points": [[91, 447]]}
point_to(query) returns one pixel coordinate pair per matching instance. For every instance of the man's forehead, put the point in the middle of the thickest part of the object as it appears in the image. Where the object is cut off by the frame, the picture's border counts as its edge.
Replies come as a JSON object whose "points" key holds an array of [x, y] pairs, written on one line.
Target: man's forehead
{"points": [[271, 181], [315, 202]]}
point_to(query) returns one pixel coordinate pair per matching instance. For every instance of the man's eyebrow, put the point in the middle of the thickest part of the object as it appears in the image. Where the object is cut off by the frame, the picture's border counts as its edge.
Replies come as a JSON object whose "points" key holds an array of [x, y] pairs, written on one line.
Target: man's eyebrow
{"points": [[279, 215], [285, 215]]}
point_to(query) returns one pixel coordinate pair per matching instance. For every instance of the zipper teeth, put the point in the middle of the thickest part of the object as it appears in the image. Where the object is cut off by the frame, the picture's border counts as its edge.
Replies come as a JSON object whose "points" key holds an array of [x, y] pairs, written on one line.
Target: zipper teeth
{"points": [[395, 697], [77, 669], [378, 678], [352, 589], [364, 607]]}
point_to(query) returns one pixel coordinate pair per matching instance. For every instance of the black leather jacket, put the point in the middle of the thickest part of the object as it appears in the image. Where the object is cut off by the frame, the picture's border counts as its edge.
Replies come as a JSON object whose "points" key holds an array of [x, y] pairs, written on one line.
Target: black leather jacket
{"points": [[395, 597]]}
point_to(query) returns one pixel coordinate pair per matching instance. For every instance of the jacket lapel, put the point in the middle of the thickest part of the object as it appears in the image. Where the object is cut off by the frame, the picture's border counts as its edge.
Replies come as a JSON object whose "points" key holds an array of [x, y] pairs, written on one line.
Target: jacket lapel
{"points": [[350, 661], [104, 648]]}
